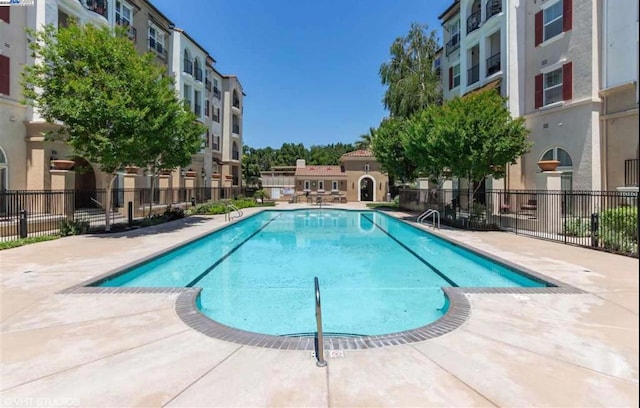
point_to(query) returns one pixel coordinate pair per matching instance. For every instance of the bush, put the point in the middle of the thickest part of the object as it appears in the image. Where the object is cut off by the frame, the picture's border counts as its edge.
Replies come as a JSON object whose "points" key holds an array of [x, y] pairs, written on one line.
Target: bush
{"points": [[73, 227], [24, 241], [260, 194], [619, 229], [173, 213], [220, 207], [577, 227]]}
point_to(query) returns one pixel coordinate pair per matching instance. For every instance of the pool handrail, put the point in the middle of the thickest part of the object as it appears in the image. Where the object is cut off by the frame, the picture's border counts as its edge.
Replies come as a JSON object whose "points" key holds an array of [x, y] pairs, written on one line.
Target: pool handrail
{"points": [[320, 345], [228, 216], [435, 214]]}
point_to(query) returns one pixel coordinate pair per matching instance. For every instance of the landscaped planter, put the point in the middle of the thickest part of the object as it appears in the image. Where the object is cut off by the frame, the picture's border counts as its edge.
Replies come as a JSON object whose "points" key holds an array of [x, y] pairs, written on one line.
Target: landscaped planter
{"points": [[548, 165], [62, 164]]}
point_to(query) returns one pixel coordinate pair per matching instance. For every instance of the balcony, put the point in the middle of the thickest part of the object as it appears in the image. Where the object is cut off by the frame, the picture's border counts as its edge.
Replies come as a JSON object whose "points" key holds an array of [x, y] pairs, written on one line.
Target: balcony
{"points": [[235, 155], [96, 6], [216, 93], [473, 74], [198, 74], [236, 129], [207, 84], [493, 64], [493, 7], [453, 44], [473, 21], [188, 67], [236, 103], [631, 170]]}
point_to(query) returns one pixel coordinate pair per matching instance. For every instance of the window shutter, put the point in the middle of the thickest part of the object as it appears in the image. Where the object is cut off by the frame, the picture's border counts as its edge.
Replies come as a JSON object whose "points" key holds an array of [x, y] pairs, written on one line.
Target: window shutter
{"points": [[567, 15], [567, 81], [450, 78], [5, 14], [539, 28], [5, 84], [538, 92]]}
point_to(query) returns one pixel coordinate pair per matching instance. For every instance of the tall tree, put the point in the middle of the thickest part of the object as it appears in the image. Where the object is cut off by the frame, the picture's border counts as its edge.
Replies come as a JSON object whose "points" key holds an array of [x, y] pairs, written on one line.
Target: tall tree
{"points": [[471, 137], [389, 148], [364, 142], [109, 102], [412, 83]]}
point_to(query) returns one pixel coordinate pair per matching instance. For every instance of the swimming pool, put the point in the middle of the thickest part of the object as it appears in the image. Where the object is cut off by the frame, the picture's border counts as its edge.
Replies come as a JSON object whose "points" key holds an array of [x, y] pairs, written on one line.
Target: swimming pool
{"points": [[377, 274]]}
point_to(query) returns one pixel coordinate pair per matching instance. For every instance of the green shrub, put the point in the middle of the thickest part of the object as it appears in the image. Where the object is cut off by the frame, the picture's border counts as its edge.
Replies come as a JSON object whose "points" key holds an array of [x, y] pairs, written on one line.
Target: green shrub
{"points": [[577, 227], [173, 213], [619, 229], [260, 194], [73, 227], [25, 241]]}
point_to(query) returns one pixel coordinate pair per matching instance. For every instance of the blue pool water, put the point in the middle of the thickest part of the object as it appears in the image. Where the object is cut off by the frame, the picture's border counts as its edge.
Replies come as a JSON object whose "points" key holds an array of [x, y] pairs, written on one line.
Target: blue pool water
{"points": [[377, 275]]}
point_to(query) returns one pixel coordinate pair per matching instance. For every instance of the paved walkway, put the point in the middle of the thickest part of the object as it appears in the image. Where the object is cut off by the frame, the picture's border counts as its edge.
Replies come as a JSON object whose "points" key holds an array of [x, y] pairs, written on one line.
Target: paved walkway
{"points": [[132, 350]]}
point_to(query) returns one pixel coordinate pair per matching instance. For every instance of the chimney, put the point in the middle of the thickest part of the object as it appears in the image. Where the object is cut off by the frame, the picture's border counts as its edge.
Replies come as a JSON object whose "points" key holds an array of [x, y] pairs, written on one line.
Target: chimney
{"points": [[300, 164]]}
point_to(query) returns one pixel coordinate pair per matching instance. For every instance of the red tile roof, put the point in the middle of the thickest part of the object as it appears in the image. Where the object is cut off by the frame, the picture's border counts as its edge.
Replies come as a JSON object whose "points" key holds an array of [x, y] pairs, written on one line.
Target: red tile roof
{"points": [[316, 171], [359, 153]]}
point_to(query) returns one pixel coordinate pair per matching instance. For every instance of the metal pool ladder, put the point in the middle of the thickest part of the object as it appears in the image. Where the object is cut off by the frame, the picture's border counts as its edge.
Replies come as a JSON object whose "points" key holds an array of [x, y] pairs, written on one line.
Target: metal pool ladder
{"points": [[228, 216], [434, 214], [320, 344]]}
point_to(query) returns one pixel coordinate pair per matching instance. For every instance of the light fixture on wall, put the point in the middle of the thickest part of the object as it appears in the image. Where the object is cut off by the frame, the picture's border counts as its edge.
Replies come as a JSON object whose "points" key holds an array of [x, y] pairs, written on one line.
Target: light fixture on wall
{"points": [[202, 173], [52, 158]]}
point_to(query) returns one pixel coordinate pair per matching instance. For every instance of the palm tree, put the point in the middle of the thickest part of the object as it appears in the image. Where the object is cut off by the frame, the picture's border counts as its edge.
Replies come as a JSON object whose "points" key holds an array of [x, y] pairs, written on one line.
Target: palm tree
{"points": [[365, 140]]}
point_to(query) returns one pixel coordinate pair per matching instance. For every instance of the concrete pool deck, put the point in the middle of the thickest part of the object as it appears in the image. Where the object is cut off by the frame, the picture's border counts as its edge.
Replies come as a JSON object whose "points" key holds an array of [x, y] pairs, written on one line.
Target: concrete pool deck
{"points": [[133, 349]]}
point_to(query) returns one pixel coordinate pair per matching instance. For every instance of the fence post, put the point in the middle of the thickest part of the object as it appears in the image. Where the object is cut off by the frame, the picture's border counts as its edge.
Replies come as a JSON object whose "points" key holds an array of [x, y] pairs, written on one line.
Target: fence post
{"points": [[594, 229], [23, 223], [130, 212]]}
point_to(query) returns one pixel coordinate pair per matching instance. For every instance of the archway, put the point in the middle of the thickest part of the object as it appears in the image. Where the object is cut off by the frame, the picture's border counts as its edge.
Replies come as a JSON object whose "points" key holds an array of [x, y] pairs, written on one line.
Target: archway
{"points": [[367, 190], [85, 185]]}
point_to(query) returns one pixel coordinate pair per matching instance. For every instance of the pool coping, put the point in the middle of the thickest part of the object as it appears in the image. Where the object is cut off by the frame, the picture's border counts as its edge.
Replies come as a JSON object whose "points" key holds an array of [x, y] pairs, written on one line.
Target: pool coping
{"points": [[459, 311]]}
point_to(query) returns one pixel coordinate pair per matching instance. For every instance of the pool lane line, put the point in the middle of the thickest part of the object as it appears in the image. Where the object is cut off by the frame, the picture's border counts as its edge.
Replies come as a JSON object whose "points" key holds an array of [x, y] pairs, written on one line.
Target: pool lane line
{"points": [[414, 253], [234, 249]]}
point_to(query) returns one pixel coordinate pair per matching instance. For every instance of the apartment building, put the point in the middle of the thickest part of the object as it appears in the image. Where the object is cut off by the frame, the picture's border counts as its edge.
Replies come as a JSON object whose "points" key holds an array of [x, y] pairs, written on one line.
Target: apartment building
{"points": [[25, 155], [546, 57]]}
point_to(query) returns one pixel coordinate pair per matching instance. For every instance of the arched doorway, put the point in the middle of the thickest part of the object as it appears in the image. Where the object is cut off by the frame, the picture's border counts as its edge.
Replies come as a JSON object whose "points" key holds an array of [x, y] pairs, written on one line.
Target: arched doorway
{"points": [[85, 186], [367, 192]]}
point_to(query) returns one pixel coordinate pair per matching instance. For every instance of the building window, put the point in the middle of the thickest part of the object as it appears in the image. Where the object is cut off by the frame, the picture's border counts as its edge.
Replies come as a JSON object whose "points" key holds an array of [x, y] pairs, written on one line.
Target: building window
{"points": [[552, 20], [565, 166], [187, 95], [235, 125], [454, 37], [334, 185], [156, 40], [5, 73], [307, 185], [124, 14], [552, 87], [206, 108], [321, 185], [216, 143], [216, 115], [456, 75], [367, 168], [197, 107]]}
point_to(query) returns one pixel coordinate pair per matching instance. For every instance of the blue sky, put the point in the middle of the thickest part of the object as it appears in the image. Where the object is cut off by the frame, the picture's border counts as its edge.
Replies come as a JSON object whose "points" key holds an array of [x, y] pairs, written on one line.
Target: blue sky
{"points": [[309, 68]]}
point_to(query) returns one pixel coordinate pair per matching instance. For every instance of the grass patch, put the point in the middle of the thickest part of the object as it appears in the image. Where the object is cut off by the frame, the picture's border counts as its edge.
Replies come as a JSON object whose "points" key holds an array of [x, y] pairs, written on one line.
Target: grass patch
{"points": [[390, 205], [26, 241]]}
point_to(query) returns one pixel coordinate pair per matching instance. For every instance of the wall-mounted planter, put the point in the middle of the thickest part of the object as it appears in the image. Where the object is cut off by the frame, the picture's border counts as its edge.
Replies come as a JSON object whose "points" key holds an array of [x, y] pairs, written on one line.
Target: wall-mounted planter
{"points": [[62, 164], [548, 165]]}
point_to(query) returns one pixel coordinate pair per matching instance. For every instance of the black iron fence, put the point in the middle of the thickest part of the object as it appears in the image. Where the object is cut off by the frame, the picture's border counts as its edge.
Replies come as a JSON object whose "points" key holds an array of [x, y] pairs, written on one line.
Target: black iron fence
{"points": [[606, 220], [29, 213]]}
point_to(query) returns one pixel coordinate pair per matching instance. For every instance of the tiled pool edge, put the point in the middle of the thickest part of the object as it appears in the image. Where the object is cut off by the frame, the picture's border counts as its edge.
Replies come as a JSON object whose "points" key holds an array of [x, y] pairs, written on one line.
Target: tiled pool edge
{"points": [[458, 313]]}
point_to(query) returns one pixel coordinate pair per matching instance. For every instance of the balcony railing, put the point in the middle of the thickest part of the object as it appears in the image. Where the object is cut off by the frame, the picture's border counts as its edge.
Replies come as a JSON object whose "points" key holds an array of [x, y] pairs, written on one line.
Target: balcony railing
{"points": [[157, 47], [493, 64], [236, 103], [473, 74], [493, 7], [235, 156], [453, 44], [216, 93], [207, 84], [473, 21], [236, 129], [97, 6], [188, 67], [198, 74], [631, 170]]}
